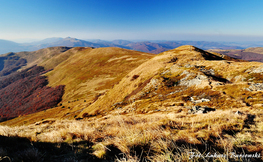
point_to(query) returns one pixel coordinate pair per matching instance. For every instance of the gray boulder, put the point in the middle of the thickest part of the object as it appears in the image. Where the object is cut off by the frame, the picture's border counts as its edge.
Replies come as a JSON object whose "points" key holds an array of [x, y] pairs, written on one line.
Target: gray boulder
{"points": [[200, 110]]}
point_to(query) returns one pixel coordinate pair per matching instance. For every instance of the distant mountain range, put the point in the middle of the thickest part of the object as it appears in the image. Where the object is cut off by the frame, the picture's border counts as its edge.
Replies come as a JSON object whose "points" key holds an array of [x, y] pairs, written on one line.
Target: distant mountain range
{"points": [[249, 54], [143, 46], [8, 46]]}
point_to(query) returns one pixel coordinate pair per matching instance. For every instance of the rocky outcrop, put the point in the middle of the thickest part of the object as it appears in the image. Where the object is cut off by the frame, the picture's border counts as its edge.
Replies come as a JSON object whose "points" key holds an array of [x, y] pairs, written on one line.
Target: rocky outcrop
{"points": [[197, 81], [198, 101], [200, 110], [207, 71], [255, 70], [153, 84], [255, 87]]}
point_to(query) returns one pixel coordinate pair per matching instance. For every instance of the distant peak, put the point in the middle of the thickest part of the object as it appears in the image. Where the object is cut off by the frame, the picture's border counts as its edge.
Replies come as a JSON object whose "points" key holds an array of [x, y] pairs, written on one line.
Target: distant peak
{"points": [[70, 38]]}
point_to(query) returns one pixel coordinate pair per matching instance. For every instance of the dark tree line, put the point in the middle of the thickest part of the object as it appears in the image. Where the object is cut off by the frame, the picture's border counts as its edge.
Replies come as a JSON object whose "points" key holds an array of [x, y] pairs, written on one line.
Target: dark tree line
{"points": [[27, 92], [32, 71], [10, 64]]}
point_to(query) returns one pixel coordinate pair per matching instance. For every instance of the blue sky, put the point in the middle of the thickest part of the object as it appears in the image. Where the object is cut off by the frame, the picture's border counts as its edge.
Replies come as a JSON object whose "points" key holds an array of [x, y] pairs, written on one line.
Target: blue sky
{"points": [[212, 20]]}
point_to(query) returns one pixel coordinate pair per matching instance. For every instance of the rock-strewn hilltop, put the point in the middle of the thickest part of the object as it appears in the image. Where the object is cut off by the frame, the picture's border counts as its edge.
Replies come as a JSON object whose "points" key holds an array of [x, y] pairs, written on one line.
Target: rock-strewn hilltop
{"points": [[176, 76]]}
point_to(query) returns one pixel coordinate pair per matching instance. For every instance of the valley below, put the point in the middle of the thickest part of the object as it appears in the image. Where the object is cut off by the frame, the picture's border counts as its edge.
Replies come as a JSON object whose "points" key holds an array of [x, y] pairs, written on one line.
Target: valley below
{"points": [[115, 104]]}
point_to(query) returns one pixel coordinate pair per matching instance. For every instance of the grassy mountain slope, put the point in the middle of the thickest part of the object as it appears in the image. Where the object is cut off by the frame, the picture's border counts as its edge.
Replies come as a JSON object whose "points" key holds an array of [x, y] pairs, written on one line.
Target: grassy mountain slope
{"points": [[92, 71], [40, 56], [180, 101], [143, 75], [258, 50], [86, 73], [47, 57]]}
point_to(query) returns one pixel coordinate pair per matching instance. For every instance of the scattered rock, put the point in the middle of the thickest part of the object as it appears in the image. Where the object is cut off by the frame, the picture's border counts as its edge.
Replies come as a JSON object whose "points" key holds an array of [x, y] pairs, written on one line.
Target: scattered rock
{"points": [[247, 89], [154, 83], [117, 103], [249, 97], [167, 71], [174, 92], [255, 70], [239, 113], [188, 66], [198, 80], [173, 60], [207, 72], [173, 69], [199, 101], [255, 87], [200, 110], [238, 78]]}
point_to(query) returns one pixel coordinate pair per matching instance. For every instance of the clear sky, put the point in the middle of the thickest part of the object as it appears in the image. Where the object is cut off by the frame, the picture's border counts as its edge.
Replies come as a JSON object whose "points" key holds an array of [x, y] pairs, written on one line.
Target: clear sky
{"points": [[217, 20]]}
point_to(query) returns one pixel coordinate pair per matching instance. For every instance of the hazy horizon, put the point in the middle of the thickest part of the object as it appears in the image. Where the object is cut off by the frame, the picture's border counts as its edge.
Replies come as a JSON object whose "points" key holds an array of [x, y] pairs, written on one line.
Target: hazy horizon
{"points": [[249, 39], [141, 40], [202, 20]]}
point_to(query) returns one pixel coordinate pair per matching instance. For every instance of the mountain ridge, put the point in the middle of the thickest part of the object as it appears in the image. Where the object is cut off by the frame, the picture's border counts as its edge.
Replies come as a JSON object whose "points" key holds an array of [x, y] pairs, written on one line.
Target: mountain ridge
{"points": [[144, 46], [145, 76], [249, 54]]}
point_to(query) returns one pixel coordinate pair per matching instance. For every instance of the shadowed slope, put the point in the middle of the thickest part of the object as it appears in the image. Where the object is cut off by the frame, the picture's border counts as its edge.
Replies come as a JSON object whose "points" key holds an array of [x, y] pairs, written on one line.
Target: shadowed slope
{"points": [[42, 55], [12, 62], [26, 92], [86, 73]]}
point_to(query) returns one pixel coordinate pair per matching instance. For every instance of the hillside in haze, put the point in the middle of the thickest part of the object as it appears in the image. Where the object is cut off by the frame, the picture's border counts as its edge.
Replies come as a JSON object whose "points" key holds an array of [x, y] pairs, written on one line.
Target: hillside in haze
{"points": [[209, 45], [115, 104], [249, 54], [45, 41], [143, 46], [70, 42], [9, 46]]}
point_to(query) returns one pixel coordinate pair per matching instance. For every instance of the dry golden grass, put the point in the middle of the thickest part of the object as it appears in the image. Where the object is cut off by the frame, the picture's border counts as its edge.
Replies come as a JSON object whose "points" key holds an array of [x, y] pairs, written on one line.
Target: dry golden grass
{"points": [[156, 137], [185, 55], [47, 57], [89, 71], [145, 72]]}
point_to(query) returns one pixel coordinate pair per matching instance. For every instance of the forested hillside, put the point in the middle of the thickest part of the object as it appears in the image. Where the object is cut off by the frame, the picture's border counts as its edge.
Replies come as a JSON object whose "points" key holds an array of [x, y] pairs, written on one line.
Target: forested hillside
{"points": [[26, 92]]}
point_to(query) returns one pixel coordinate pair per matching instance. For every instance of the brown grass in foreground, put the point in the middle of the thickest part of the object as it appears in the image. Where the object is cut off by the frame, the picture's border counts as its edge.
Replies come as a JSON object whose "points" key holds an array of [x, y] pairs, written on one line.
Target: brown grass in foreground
{"points": [[155, 137]]}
